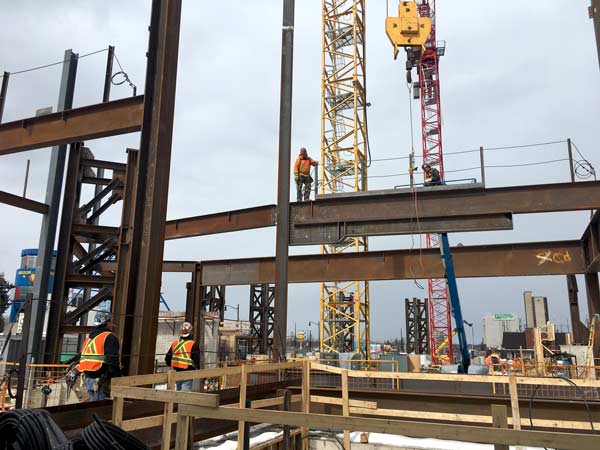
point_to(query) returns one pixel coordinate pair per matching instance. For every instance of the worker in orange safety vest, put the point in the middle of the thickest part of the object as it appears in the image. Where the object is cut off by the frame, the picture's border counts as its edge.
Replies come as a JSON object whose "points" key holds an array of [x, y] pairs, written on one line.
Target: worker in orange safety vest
{"points": [[99, 358], [184, 354], [302, 175]]}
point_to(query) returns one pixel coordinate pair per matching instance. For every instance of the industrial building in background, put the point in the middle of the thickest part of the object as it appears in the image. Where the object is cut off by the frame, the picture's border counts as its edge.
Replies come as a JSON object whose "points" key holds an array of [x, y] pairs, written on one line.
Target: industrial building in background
{"points": [[536, 310], [494, 327]]}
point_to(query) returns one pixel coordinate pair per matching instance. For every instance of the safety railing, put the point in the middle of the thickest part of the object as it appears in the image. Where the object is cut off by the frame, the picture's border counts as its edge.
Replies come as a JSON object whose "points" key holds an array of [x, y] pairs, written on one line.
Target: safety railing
{"points": [[161, 388]]}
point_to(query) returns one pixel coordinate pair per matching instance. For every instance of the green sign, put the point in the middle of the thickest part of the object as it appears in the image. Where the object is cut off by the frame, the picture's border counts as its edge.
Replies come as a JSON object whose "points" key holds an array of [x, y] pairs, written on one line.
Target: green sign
{"points": [[503, 316]]}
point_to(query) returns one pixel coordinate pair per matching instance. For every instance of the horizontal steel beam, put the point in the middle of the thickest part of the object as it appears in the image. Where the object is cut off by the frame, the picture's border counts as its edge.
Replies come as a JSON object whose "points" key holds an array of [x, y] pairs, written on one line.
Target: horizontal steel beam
{"points": [[502, 260], [78, 124], [23, 203], [444, 203], [450, 202], [332, 233], [238, 220]]}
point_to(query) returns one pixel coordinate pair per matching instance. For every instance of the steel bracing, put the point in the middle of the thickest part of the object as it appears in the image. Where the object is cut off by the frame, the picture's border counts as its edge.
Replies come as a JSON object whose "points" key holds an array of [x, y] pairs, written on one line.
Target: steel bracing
{"points": [[344, 305], [440, 323]]}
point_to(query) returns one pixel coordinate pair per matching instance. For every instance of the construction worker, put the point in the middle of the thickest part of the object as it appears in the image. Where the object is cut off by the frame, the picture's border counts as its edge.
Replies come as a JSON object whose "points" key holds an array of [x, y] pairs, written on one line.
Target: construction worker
{"points": [[99, 358], [493, 361], [432, 175], [302, 175], [184, 354]]}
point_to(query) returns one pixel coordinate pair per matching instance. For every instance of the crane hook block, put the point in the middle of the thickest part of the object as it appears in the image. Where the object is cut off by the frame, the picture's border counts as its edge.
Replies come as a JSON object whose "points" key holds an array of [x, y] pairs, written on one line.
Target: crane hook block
{"points": [[408, 29]]}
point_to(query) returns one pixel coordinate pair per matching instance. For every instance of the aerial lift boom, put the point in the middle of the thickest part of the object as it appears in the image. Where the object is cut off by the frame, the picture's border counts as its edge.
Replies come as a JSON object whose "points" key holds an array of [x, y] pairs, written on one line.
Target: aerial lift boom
{"points": [[455, 302]]}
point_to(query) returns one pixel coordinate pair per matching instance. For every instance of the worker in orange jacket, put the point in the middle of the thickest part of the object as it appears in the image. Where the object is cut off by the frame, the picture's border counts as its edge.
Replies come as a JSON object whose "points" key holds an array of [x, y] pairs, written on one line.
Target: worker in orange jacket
{"points": [[302, 175], [99, 358], [184, 354]]}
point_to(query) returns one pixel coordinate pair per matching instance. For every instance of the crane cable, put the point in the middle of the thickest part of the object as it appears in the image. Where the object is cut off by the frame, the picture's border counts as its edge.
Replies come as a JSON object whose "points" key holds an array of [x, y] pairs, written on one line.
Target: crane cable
{"points": [[414, 193]]}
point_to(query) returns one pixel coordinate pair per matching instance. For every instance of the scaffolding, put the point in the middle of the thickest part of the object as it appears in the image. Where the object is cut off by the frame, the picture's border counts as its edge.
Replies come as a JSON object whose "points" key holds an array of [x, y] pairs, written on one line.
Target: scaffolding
{"points": [[344, 306]]}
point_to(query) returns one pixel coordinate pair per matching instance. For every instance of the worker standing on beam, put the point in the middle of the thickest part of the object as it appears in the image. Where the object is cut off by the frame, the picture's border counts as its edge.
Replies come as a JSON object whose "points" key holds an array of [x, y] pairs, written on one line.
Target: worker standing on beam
{"points": [[432, 175], [183, 355], [99, 359], [302, 175]]}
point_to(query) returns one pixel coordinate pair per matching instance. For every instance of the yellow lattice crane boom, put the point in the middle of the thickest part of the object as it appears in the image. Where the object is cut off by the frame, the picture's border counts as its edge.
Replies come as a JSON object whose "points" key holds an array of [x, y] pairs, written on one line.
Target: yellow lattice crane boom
{"points": [[345, 305]]}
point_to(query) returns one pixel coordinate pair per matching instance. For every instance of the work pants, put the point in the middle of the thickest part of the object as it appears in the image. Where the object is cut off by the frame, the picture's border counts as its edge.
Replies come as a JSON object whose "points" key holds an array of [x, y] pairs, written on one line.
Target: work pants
{"points": [[303, 188], [94, 391]]}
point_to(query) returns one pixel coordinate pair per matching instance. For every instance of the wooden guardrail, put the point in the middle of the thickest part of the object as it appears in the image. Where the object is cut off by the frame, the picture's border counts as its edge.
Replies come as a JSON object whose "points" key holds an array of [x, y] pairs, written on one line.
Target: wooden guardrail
{"points": [[472, 428]]}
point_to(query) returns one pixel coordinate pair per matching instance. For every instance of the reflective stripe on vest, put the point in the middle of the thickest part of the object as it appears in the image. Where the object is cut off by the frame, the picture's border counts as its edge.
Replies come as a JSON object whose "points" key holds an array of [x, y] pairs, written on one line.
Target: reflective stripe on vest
{"points": [[304, 167], [182, 354], [92, 353]]}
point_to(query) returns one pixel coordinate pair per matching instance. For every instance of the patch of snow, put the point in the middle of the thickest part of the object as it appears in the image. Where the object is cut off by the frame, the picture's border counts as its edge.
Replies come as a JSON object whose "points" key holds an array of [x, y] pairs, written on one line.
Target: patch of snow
{"points": [[425, 444]]}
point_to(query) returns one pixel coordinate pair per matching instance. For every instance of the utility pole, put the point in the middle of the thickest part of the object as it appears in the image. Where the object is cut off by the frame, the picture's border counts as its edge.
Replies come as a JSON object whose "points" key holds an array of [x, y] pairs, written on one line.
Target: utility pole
{"points": [[595, 16]]}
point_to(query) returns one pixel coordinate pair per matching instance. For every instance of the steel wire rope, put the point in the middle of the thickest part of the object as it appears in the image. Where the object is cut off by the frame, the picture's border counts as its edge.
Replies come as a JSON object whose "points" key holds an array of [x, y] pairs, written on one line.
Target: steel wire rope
{"points": [[124, 75], [55, 63]]}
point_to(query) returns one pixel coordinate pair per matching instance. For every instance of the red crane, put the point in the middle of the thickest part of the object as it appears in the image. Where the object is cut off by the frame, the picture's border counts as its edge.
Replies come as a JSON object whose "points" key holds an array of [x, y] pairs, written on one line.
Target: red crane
{"points": [[440, 323]]}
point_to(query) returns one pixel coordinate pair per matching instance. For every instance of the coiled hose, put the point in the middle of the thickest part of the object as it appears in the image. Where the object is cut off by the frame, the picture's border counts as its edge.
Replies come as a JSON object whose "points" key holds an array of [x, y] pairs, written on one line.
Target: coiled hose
{"points": [[28, 429], [103, 435]]}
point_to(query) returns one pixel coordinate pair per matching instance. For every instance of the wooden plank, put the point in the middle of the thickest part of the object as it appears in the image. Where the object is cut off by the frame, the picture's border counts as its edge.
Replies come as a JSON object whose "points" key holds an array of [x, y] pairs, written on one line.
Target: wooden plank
{"points": [[140, 380], [500, 420], [269, 402], [272, 367], [514, 401], [464, 433], [345, 407], [338, 401], [469, 418], [243, 389], [160, 395], [183, 431], [207, 373], [545, 381], [305, 402], [166, 423], [117, 410], [142, 423]]}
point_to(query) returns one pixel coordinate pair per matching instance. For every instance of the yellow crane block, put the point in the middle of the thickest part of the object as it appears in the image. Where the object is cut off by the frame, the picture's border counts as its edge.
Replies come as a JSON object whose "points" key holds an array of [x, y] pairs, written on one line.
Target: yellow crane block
{"points": [[408, 29]]}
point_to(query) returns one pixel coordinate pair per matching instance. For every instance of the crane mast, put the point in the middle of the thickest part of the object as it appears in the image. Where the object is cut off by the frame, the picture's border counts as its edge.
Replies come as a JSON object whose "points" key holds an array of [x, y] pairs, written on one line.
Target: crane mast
{"points": [[344, 307], [440, 323]]}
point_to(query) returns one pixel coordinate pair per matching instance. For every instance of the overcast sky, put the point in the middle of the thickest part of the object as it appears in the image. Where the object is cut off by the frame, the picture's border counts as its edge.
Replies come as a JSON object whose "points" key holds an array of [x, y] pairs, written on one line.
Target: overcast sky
{"points": [[510, 76]]}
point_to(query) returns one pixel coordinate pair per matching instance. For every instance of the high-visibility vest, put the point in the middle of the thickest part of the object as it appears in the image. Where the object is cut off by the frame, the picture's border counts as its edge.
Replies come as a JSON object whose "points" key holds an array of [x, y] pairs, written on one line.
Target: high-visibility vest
{"points": [[92, 353], [302, 167], [182, 353]]}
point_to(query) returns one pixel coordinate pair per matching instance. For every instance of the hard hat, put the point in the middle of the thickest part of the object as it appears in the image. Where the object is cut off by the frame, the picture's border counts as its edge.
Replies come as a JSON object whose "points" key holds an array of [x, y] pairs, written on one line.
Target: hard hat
{"points": [[185, 329], [102, 317]]}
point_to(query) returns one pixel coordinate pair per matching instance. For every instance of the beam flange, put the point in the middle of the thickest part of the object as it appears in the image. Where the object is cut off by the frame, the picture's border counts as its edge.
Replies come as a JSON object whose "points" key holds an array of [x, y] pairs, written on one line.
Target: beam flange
{"points": [[23, 203], [223, 222], [78, 124], [502, 260]]}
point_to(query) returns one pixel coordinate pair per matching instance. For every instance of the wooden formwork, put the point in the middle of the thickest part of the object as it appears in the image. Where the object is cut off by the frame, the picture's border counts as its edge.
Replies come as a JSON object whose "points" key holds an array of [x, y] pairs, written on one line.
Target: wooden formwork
{"points": [[498, 428]]}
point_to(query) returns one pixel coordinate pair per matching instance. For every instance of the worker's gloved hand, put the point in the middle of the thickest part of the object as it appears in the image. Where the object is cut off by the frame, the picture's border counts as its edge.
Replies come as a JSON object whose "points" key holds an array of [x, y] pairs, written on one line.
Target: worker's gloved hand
{"points": [[296, 179]]}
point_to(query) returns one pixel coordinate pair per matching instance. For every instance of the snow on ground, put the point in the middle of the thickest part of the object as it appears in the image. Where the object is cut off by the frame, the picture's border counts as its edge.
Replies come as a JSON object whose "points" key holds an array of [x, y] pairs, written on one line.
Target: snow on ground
{"points": [[425, 444], [232, 444]]}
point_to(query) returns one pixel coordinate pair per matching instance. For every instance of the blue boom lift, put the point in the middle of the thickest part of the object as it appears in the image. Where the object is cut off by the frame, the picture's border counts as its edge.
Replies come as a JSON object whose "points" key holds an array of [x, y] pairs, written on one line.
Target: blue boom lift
{"points": [[455, 303]]}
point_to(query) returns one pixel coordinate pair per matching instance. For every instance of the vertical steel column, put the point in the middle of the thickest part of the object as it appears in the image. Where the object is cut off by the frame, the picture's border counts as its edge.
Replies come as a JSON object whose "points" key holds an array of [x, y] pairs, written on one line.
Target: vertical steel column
{"points": [[108, 76], [571, 166], [60, 291], [145, 265], [283, 182], [595, 15], [3, 89], [50, 220], [578, 329], [593, 293]]}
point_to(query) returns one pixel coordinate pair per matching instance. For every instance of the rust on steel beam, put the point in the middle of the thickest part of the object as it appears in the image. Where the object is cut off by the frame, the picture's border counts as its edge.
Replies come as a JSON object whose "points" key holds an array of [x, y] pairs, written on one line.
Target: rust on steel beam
{"points": [[443, 202], [501, 260], [448, 201], [150, 212], [23, 203], [78, 124], [223, 222]]}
